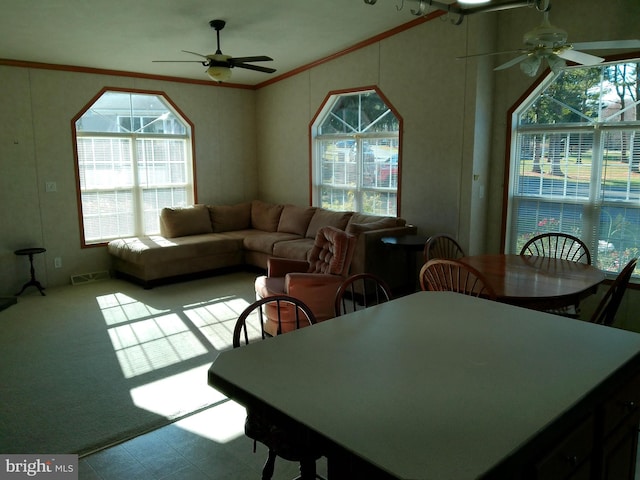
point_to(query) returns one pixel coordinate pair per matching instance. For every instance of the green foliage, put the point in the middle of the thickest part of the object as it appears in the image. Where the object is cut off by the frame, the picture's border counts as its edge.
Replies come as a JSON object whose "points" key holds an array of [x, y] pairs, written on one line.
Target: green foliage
{"points": [[570, 98]]}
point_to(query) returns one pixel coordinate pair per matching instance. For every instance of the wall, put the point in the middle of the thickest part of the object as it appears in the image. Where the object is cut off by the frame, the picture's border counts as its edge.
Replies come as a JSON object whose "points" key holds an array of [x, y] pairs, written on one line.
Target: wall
{"points": [[418, 73], [36, 147]]}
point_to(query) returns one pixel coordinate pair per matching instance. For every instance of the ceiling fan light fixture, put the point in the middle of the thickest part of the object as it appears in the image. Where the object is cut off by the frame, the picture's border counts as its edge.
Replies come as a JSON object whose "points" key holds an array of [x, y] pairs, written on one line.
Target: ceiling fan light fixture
{"points": [[531, 65], [473, 2], [219, 74], [556, 63]]}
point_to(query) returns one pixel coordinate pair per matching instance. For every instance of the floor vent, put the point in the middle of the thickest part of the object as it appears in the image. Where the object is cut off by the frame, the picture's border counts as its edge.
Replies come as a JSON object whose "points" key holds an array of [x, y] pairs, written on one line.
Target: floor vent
{"points": [[83, 278]]}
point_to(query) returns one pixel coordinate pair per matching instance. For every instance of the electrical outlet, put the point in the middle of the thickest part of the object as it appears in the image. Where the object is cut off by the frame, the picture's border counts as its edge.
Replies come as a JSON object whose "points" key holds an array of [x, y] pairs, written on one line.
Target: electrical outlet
{"points": [[50, 187], [57, 262]]}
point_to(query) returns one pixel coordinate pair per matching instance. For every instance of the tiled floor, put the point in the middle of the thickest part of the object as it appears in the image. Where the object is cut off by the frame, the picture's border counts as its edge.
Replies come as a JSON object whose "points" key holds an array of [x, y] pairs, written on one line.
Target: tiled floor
{"points": [[187, 450], [207, 445]]}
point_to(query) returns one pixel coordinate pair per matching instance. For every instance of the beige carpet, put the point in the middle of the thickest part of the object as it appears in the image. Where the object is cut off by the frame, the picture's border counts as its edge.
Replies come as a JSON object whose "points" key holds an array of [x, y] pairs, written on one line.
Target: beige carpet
{"points": [[91, 365]]}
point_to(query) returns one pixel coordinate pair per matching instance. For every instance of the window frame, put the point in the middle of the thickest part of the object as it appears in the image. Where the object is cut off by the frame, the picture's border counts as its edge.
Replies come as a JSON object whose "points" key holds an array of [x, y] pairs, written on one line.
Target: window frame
{"points": [[315, 157], [138, 187], [595, 202]]}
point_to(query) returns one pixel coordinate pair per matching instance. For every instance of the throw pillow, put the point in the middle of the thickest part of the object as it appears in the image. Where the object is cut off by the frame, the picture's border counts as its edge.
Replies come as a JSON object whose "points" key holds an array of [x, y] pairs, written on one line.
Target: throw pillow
{"points": [[228, 218], [323, 218], [265, 216], [357, 228], [295, 219], [183, 221]]}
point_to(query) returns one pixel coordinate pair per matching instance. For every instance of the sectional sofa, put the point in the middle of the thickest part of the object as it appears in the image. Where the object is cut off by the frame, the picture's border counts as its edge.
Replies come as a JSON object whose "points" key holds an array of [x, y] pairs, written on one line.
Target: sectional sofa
{"points": [[203, 238]]}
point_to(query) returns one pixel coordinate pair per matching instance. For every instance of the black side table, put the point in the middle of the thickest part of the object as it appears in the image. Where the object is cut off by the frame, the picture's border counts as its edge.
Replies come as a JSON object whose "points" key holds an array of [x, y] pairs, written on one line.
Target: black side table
{"points": [[32, 282], [411, 244]]}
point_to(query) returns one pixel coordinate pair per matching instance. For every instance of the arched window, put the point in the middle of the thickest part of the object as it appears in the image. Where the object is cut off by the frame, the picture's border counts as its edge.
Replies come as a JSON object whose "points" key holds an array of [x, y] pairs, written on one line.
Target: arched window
{"points": [[133, 158], [575, 157], [356, 154]]}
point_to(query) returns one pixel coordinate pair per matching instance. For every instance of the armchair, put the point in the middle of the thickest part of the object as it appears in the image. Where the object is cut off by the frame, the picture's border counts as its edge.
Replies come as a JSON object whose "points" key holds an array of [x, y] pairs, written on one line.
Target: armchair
{"points": [[315, 281]]}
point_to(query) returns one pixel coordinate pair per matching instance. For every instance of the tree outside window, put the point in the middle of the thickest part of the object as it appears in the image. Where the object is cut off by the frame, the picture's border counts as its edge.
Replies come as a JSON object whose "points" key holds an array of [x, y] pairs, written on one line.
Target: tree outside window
{"points": [[575, 162], [356, 154], [133, 158]]}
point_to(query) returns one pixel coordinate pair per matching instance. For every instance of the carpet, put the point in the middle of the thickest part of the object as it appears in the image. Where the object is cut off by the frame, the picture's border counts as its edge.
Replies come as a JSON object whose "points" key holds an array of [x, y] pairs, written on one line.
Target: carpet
{"points": [[89, 366]]}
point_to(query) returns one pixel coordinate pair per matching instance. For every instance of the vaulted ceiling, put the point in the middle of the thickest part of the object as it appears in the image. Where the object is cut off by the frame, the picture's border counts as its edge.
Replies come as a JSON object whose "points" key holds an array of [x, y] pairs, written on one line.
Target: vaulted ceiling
{"points": [[127, 35]]}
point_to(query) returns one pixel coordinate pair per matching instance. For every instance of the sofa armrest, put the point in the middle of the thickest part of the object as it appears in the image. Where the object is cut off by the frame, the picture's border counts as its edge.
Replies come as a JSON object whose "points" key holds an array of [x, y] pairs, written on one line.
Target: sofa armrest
{"points": [[279, 267]]}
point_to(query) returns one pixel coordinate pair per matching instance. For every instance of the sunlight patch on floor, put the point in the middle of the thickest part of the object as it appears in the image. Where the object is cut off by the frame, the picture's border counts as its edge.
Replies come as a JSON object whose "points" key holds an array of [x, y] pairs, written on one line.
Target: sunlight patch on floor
{"points": [[216, 320], [120, 308], [148, 345], [146, 339], [178, 394], [221, 423]]}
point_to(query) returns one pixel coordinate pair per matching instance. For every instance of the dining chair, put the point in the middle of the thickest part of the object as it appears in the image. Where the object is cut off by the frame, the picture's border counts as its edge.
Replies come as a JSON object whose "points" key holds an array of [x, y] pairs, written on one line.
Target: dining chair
{"points": [[288, 442], [442, 246], [250, 325], [558, 245], [359, 291], [605, 313], [563, 246], [446, 275]]}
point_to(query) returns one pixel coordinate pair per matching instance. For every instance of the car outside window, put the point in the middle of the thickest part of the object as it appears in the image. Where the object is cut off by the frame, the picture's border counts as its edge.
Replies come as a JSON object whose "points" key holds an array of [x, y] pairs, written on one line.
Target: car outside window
{"points": [[356, 154]]}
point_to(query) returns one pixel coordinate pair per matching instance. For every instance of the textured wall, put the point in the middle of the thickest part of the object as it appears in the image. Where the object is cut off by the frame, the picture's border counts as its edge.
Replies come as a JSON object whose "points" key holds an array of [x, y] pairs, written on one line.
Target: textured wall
{"points": [[36, 147]]}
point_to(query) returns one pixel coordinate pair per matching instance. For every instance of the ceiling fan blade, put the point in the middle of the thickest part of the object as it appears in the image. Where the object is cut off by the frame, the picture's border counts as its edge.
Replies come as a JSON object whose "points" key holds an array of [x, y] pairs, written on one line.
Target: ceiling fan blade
{"points": [[180, 61], [605, 45], [260, 58], [512, 62], [491, 54], [218, 59], [580, 57], [194, 53], [254, 67]]}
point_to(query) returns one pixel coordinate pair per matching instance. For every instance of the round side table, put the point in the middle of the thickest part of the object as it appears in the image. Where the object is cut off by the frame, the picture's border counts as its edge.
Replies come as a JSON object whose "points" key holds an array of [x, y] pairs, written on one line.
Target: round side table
{"points": [[411, 244], [32, 282]]}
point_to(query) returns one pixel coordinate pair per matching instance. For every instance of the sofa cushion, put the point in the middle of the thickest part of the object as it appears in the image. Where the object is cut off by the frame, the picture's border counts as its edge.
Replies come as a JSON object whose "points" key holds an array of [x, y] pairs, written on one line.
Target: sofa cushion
{"points": [[384, 222], [323, 218], [265, 216], [183, 221], [228, 218], [265, 241], [295, 219], [157, 249], [294, 249]]}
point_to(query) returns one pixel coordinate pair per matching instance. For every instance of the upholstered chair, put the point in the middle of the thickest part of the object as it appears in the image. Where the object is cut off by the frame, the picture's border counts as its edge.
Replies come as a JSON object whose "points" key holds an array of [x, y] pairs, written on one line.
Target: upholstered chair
{"points": [[315, 281]]}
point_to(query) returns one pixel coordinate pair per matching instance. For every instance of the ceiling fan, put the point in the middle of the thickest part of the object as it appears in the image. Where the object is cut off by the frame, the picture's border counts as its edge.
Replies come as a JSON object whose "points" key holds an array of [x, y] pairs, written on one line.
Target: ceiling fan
{"points": [[548, 43], [219, 65]]}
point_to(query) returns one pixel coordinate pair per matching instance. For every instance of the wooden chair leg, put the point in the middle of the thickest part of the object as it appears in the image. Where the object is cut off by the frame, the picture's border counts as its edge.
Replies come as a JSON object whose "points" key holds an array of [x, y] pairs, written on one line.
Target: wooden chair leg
{"points": [[267, 470]]}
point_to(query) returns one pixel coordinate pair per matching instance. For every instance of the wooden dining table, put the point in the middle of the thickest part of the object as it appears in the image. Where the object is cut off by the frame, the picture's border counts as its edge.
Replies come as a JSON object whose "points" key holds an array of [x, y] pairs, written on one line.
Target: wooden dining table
{"points": [[537, 282]]}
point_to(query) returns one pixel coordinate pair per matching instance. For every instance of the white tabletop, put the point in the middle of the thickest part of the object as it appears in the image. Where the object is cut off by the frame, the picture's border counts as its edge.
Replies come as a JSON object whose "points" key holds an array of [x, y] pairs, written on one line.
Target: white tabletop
{"points": [[435, 385]]}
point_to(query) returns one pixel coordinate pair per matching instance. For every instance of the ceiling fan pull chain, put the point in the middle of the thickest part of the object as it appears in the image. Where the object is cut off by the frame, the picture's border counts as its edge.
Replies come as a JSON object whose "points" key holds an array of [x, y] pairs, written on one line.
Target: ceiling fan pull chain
{"points": [[543, 5]]}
